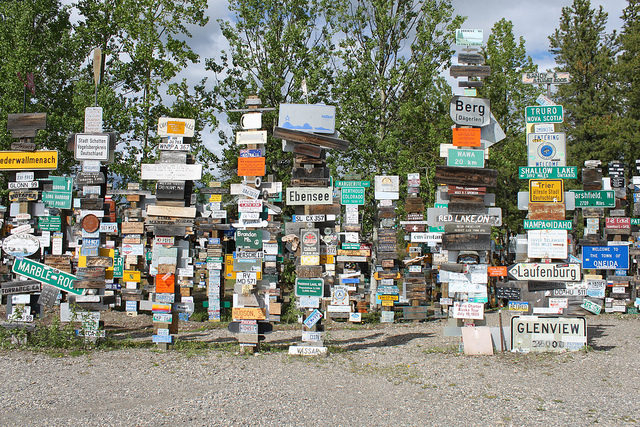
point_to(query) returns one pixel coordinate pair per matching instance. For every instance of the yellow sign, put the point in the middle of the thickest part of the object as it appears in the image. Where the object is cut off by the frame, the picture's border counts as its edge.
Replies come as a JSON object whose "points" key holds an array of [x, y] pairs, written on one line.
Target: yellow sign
{"points": [[327, 259], [131, 276], [387, 303], [388, 297], [250, 313], [546, 191], [310, 260], [27, 160], [215, 198]]}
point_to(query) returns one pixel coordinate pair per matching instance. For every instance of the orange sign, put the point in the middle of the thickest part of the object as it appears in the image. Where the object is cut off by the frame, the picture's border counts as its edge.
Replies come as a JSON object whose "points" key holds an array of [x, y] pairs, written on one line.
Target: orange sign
{"points": [[251, 166], [165, 283], [176, 128], [498, 271], [250, 313], [466, 137]]}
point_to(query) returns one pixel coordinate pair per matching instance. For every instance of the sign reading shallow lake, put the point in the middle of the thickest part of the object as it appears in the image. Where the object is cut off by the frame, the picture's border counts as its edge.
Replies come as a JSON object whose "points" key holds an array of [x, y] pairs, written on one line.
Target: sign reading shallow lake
{"points": [[540, 334]]}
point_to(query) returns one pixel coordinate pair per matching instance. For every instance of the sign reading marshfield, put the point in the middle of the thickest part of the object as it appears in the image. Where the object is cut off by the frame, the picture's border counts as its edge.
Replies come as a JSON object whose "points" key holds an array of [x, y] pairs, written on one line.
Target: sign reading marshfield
{"points": [[27, 160], [538, 334], [309, 196]]}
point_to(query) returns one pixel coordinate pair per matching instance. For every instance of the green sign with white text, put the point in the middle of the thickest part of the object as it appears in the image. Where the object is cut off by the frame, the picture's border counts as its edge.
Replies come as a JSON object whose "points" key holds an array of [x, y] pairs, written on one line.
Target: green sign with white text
{"points": [[48, 275], [595, 199], [465, 158], [545, 224], [548, 172], [352, 195]]}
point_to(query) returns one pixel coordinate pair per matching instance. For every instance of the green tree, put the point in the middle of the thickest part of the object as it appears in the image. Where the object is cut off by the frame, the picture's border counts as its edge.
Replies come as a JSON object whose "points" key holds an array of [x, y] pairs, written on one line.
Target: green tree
{"points": [[36, 36], [393, 102], [273, 47], [145, 47], [582, 47], [508, 59]]}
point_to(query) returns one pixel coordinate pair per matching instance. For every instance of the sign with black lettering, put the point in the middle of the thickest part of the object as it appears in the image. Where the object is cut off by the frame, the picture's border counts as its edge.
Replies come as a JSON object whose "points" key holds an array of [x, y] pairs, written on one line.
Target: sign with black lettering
{"points": [[297, 196], [542, 334], [471, 111]]}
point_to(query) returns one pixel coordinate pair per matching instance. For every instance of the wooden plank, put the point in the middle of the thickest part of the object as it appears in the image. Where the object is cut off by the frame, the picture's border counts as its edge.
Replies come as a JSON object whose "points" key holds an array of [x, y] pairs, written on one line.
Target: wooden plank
{"points": [[456, 189], [172, 190], [466, 241], [470, 58], [546, 211], [181, 212], [169, 230], [305, 149], [466, 176], [310, 182], [470, 83], [308, 271], [467, 228], [315, 172], [27, 121], [132, 227], [333, 209], [470, 71], [467, 204], [22, 145], [310, 138]]}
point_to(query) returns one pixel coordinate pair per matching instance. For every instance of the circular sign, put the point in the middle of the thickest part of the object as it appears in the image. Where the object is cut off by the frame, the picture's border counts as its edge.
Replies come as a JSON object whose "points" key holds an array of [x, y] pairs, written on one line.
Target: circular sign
{"points": [[310, 238], [20, 245], [90, 223], [547, 151]]}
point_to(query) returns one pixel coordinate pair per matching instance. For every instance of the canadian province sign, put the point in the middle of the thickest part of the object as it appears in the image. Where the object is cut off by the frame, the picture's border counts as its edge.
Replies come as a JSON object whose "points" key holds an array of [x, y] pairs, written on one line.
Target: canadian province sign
{"points": [[545, 272], [548, 172], [470, 111], [45, 274], [544, 114], [541, 334], [606, 257]]}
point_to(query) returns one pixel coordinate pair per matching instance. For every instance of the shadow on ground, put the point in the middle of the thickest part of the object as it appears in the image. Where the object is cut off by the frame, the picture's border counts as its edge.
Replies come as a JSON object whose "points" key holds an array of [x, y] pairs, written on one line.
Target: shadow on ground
{"points": [[594, 333]]}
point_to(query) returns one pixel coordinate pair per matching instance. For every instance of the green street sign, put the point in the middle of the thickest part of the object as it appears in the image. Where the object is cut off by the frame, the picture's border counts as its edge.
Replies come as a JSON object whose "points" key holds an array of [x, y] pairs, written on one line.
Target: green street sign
{"points": [[49, 223], [366, 184], [351, 246], [309, 287], [57, 199], [48, 275], [465, 158], [62, 183], [437, 229], [635, 221], [544, 224], [352, 195], [595, 199], [548, 172], [118, 267], [544, 114], [251, 239]]}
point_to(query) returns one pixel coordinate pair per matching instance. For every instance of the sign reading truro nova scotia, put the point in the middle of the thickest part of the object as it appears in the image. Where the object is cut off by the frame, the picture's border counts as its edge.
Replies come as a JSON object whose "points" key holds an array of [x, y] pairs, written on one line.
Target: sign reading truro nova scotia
{"points": [[544, 114], [536, 333], [45, 274], [545, 272]]}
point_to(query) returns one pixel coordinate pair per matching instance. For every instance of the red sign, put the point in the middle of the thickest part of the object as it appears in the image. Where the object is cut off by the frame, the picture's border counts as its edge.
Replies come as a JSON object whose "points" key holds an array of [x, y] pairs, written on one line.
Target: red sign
{"points": [[497, 271], [165, 283], [617, 223], [466, 137], [251, 166]]}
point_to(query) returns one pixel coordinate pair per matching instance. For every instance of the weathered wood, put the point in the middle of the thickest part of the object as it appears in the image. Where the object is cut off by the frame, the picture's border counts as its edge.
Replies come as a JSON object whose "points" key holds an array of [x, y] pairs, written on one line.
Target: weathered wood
{"points": [[546, 211], [467, 204], [23, 145], [169, 230], [466, 241], [310, 138], [26, 125], [172, 190], [305, 149], [99, 261], [308, 271], [315, 172], [333, 209], [466, 176], [470, 71], [386, 212], [467, 228], [91, 203], [456, 189], [470, 83], [310, 182], [470, 58], [181, 212], [593, 212]]}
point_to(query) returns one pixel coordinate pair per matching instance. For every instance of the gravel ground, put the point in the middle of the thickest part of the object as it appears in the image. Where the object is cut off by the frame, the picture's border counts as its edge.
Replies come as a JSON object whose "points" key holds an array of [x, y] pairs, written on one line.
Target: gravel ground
{"points": [[406, 374]]}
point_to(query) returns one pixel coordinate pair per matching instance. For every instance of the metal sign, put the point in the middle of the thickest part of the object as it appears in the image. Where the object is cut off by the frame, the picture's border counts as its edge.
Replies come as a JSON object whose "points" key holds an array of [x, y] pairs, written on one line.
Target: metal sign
{"points": [[546, 190], [352, 195], [309, 287], [20, 245], [45, 274], [171, 171], [546, 149], [28, 160], [606, 257], [546, 78], [542, 224], [544, 114], [297, 196], [366, 184], [317, 118], [313, 318], [466, 137], [250, 239], [541, 334], [470, 111], [595, 199], [168, 126], [465, 158], [310, 242], [547, 244], [545, 272], [91, 147], [469, 37], [548, 172], [441, 217]]}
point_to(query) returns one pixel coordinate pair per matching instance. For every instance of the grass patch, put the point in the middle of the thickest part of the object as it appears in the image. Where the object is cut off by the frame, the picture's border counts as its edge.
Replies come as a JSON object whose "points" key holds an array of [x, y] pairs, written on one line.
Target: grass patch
{"points": [[447, 349]]}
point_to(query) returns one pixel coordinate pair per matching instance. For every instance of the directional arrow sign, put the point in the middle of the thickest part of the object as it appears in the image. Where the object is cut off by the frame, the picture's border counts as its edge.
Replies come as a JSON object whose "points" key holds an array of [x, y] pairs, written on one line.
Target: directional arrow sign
{"points": [[545, 272]]}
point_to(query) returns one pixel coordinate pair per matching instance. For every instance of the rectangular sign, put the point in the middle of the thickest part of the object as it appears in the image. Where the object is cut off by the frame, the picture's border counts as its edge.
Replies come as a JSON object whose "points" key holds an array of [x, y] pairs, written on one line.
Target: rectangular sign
{"points": [[91, 147], [466, 137], [318, 118], [546, 190], [548, 172], [546, 114], [352, 195], [547, 244], [546, 149], [545, 272], [28, 160], [543, 224], [541, 334], [168, 126], [606, 257], [251, 166], [309, 287], [465, 158], [341, 184], [595, 199], [468, 310], [297, 196], [617, 223], [546, 78], [469, 37], [171, 171], [45, 274]]}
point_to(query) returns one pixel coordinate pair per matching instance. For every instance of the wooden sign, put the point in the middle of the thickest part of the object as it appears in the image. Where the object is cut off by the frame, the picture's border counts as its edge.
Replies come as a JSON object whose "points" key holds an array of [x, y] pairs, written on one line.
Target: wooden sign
{"points": [[466, 176], [546, 190], [28, 160], [546, 78], [251, 166], [132, 227], [176, 127], [456, 189], [467, 228], [546, 211], [470, 71], [324, 141], [181, 212], [466, 241], [25, 125], [89, 178], [469, 111], [171, 190], [618, 223], [441, 217], [254, 313], [171, 171]]}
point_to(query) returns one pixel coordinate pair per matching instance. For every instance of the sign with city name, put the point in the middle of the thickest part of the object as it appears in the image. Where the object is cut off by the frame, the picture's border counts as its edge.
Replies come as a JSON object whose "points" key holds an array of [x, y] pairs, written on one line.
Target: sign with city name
{"points": [[594, 199], [544, 114], [469, 37], [546, 149], [545, 272], [48, 275], [545, 224], [297, 196], [465, 158], [91, 147], [171, 171], [352, 195], [606, 257], [309, 287], [617, 223], [470, 111], [546, 190], [548, 172], [542, 334], [441, 217], [28, 160], [546, 78], [547, 244], [353, 184]]}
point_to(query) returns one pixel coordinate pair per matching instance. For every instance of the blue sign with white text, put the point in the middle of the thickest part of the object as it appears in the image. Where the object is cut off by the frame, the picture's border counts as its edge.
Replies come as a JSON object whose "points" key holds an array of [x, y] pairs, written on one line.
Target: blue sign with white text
{"points": [[606, 257]]}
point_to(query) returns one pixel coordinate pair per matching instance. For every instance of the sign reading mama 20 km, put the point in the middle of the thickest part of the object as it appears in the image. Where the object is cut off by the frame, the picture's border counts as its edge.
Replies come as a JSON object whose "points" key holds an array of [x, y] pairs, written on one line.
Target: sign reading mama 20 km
{"points": [[45, 274]]}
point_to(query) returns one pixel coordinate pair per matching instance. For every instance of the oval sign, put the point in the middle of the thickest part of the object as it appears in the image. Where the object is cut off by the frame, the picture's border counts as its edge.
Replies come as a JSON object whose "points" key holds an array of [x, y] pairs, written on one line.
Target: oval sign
{"points": [[20, 245]]}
